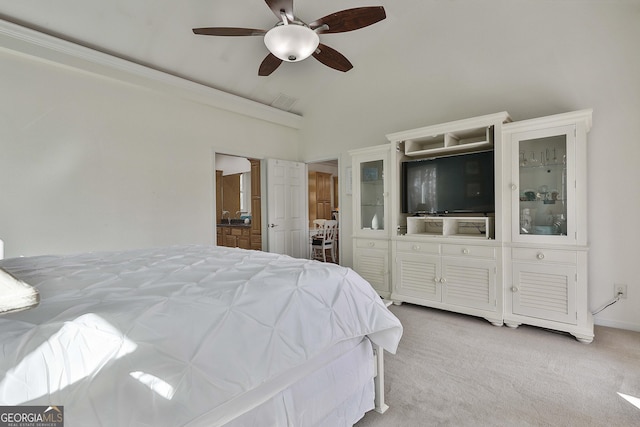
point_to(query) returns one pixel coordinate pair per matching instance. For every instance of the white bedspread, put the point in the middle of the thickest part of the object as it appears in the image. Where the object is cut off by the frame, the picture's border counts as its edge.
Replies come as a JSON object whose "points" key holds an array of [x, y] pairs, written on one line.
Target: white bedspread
{"points": [[161, 337]]}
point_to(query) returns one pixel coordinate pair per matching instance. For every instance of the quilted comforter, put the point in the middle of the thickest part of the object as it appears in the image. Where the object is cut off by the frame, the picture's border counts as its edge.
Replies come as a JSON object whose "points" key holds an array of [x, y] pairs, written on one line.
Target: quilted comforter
{"points": [[163, 336]]}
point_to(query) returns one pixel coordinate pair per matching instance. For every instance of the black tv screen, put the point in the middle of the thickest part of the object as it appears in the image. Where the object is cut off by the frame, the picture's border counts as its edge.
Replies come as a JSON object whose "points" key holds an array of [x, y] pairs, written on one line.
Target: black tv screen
{"points": [[448, 185]]}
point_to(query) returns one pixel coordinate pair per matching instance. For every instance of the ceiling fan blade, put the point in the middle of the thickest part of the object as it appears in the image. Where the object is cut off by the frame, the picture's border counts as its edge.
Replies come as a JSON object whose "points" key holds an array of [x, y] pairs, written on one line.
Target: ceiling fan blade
{"points": [[349, 19], [332, 58], [269, 65], [277, 5], [229, 31]]}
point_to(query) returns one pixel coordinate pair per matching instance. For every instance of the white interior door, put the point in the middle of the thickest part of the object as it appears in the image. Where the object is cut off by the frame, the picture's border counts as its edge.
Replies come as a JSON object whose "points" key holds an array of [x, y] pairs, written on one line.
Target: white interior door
{"points": [[287, 208]]}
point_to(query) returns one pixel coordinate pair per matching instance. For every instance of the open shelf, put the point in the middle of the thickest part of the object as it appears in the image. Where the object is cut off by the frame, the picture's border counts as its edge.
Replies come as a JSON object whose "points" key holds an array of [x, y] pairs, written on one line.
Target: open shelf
{"points": [[463, 141], [441, 226]]}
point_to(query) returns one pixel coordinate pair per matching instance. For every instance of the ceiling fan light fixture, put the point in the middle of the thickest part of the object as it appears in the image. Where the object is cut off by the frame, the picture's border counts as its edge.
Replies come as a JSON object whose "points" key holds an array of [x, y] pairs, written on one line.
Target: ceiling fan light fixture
{"points": [[292, 42]]}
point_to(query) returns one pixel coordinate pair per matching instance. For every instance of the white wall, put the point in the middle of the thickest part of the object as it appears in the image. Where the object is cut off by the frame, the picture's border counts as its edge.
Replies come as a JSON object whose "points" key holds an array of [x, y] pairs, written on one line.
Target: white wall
{"points": [[89, 163], [528, 58]]}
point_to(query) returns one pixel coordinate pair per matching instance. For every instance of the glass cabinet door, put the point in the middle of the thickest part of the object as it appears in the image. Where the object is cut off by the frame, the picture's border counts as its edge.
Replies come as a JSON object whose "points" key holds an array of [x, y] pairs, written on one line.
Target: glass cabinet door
{"points": [[545, 201], [372, 195]]}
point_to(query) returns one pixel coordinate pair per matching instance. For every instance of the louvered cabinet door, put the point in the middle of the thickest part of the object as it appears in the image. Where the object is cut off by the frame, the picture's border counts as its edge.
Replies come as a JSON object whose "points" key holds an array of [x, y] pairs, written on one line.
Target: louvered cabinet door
{"points": [[372, 263], [418, 275], [545, 292], [469, 283]]}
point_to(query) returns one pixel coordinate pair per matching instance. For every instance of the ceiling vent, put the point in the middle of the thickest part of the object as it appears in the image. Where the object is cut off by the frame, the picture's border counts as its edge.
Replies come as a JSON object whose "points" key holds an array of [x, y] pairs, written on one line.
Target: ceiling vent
{"points": [[284, 102]]}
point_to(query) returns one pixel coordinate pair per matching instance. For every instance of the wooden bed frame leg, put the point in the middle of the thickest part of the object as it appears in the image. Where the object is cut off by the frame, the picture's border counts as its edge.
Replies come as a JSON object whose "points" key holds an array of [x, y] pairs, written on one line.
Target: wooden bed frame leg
{"points": [[378, 380]]}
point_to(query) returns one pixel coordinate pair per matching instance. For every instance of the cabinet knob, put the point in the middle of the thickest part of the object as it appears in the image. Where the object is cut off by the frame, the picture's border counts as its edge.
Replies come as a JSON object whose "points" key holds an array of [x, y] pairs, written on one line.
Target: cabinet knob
{"points": [[371, 244], [540, 255], [514, 187], [443, 280], [416, 247], [436, 279], [514, 289], [465, 251]]}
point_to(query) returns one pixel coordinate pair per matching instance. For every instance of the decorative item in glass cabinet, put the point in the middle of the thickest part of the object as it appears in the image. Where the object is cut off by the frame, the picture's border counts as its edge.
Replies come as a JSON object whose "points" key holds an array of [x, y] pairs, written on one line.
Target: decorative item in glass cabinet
{"points": [[526, 220], [523, 159], [374, 222], [370, 174]]}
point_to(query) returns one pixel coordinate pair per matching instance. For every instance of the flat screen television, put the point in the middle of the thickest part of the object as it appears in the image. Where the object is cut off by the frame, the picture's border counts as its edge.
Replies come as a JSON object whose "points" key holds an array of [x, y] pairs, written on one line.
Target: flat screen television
{"points": [[448, 185]]}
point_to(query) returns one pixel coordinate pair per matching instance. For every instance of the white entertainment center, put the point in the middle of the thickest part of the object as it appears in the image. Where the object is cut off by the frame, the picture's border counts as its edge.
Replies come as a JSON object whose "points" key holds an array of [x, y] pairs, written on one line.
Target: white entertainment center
{"points": [[524, 261]]}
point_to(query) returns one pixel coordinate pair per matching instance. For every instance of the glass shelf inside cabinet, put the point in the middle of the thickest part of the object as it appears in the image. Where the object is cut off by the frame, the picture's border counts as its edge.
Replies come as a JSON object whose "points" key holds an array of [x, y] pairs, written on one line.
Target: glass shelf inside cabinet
{"points": [[543, 186], [372, 195]]}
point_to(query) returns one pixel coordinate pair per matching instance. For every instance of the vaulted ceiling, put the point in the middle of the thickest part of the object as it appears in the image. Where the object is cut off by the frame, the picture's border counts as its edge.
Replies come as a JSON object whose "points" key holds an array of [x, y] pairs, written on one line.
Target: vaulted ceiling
{"points": [[159, 34], [448, 58]]}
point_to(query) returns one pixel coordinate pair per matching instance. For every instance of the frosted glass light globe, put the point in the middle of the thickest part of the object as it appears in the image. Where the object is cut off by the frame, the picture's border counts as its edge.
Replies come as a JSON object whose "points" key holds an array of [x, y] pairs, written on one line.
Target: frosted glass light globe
{"points": [[292, 42]]}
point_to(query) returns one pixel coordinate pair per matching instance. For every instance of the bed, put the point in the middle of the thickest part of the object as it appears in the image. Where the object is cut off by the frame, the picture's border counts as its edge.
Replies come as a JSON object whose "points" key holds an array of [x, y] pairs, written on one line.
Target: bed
{"points": [[195, 336]]}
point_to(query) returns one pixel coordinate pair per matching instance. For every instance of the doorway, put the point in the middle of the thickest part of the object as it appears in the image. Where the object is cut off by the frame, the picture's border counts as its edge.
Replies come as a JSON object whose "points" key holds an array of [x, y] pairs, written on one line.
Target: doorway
{"points": [[323, 197], [238, 202], [261, 204], [240, 196]]}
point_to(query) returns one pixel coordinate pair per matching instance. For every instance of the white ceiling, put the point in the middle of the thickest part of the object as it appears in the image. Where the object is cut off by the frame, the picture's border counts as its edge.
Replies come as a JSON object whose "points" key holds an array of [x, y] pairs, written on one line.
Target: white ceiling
{"points": [[450, 59], [158, 34]]}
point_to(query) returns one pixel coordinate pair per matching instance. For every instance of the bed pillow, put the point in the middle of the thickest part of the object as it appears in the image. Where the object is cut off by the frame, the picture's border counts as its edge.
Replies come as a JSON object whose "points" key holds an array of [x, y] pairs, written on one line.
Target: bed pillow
{"points": [[16, 295]]}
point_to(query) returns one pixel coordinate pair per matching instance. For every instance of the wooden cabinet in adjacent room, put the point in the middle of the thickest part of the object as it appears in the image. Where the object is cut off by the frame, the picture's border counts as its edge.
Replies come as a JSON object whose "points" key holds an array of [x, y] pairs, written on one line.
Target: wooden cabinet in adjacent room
{"points": [[232, 231], [319, 195], [256, 206], [234, 236]]}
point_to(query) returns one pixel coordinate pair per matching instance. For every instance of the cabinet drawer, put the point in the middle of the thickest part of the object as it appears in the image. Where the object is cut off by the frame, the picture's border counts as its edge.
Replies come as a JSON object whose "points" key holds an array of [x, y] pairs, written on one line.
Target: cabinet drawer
{"points": [[469, 251], [543, 255], [418, 247], [372, 244], [238, 231]]}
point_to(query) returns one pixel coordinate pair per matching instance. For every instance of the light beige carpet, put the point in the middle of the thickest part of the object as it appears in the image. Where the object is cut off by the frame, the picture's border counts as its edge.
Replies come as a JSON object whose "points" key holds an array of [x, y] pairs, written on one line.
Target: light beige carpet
{"points": [[456, 370]]}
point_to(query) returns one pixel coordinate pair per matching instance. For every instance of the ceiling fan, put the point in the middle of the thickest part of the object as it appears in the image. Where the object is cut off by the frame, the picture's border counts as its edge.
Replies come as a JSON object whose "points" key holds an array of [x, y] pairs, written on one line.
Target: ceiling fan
{"points": [[293, 40]]}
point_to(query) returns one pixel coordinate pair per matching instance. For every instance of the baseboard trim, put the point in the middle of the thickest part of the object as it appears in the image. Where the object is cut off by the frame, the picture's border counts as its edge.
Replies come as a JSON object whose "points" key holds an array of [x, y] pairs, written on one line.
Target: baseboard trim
{"points": [[617, 324]]}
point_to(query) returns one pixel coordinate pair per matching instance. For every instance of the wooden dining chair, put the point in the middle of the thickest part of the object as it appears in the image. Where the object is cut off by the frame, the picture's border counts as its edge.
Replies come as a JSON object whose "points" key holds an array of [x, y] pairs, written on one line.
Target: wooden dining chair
{"points": [[324, 240]]}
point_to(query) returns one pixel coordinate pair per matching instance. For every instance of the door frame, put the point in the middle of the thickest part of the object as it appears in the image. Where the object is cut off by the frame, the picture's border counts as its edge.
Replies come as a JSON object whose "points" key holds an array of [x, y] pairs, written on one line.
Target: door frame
{"points": [[341, 198]]}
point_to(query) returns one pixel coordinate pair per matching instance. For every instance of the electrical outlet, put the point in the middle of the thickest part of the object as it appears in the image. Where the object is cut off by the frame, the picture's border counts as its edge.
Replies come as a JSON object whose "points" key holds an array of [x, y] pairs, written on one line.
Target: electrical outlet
{"points": [[620, 290]]}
